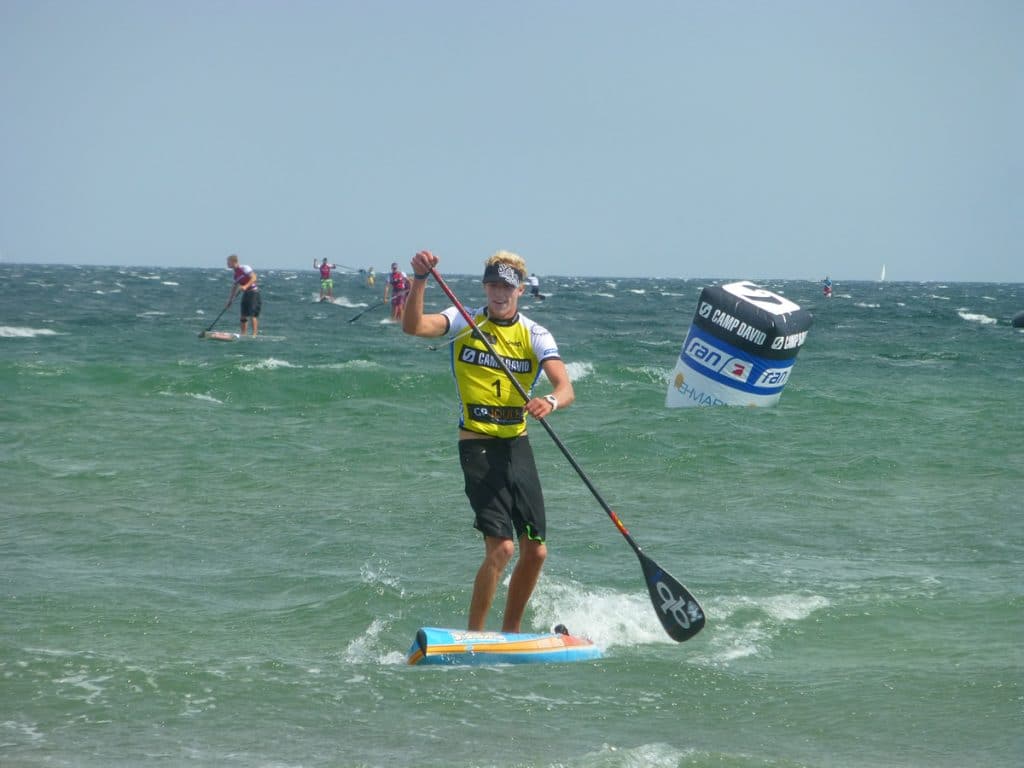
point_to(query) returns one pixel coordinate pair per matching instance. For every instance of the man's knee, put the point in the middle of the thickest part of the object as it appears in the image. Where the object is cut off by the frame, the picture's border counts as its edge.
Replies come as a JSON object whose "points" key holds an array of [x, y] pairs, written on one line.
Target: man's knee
{"points": [[534, 552]]}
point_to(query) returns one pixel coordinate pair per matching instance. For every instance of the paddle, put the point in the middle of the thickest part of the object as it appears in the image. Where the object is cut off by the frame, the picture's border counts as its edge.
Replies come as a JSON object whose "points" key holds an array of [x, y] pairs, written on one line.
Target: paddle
{"points": [[218, 317], [370, 309], [679, 612]]}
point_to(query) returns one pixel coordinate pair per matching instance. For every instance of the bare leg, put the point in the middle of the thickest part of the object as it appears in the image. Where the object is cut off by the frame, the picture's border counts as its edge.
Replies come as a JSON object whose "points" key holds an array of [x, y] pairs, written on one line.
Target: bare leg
{"points": [[524, 579], [255, 326], [498, 553]]}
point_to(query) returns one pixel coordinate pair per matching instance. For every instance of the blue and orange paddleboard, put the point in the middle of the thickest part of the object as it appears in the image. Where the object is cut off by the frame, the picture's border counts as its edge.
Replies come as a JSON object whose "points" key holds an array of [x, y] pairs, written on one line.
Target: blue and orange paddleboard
{"points": [[434, 645]]}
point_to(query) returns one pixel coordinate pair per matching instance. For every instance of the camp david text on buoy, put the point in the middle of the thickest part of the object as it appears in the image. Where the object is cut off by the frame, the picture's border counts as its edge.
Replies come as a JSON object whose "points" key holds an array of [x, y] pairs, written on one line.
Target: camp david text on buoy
{"points": [[740, 349]]}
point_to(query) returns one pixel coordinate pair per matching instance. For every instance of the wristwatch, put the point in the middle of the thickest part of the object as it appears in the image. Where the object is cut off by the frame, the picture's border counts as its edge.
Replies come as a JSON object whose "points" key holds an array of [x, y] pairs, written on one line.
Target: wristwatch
{"points": [[553, 400]]}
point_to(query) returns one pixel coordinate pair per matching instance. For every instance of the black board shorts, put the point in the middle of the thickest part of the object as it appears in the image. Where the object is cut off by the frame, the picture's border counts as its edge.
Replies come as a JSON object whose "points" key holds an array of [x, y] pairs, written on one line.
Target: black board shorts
{"points": [[251, 303], [503, 487]]}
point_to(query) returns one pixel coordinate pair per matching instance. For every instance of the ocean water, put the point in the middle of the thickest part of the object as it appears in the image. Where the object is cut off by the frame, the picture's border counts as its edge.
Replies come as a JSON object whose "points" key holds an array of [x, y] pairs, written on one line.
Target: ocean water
{"points": [[218, 553]]}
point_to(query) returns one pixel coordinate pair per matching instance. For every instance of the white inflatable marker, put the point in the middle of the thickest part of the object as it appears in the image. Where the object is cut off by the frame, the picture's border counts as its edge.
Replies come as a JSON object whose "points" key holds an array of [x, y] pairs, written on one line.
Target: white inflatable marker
{"points": [[740, 349]]}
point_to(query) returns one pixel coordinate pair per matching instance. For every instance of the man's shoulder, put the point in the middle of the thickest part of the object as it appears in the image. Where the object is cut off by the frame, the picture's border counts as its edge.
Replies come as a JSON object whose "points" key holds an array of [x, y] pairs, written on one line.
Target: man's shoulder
{"points": [[532, 325]]}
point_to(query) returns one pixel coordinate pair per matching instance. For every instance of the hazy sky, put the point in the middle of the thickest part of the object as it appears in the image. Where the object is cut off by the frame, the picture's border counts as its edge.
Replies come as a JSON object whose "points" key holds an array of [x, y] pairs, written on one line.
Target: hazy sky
{"points": [[694, 138]]}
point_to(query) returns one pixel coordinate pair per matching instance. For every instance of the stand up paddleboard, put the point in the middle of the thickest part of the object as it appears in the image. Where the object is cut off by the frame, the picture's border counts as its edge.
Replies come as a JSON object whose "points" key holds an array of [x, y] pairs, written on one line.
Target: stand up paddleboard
{"points": [[434, 645], [220, 336]]}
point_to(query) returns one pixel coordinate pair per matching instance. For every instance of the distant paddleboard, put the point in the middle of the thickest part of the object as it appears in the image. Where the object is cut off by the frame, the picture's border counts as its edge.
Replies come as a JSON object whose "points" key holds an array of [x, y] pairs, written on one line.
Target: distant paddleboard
{"points": [[434, 645], [220, 336], [328, 300]]}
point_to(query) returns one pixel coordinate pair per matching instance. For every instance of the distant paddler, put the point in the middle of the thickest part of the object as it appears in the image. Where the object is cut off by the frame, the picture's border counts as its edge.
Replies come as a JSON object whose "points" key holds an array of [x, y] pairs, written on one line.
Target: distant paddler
{"points": [[398, 287], [326, 281], [534, 282], [245, 282]]}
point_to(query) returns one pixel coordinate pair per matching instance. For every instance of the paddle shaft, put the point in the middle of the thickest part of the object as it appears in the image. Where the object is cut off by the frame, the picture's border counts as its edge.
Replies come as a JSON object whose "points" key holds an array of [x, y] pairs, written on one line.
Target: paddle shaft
{"points": [[370, 309], [218, 317], [680, 614]]}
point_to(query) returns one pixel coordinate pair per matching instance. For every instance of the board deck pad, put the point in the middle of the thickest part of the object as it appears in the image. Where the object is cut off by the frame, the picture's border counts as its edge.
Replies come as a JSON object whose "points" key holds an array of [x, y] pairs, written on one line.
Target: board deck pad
{"points": [[436, 645]]}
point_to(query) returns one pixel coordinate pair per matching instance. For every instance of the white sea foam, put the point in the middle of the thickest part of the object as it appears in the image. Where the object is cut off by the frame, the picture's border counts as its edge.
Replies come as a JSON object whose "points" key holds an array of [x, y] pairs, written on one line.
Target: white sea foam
{"points": [[339, 301], [348, 365], [662, 342], [269, 364], [365, 648], [90, 688], [193, 395], [579, 370], [205, 398], [745, 627], [376, 575], [975, 317], [652, 373], [607, 617], [29, 732], [779, 608], [15, 332]]}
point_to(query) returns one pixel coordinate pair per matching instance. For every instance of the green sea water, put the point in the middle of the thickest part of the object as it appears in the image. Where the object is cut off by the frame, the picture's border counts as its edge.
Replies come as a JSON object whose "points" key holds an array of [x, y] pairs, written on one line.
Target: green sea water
{"points": [[218, 553]]}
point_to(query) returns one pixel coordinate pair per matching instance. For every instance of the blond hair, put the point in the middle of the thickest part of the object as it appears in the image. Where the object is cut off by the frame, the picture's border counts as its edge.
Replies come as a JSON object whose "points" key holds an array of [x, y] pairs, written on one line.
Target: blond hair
{"points": [[514, 260]]}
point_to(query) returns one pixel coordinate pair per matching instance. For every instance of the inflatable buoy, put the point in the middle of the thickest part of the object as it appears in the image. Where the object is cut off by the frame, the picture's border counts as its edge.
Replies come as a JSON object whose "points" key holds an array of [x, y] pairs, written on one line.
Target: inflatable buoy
{"points": [[1018, 320], [740, 349]]}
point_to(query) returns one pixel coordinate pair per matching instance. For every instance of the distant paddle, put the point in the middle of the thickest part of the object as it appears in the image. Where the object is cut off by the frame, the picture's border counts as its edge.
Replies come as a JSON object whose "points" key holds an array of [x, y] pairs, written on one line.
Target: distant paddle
{"points": [[218, 317], [679, 612], [369, 309]]}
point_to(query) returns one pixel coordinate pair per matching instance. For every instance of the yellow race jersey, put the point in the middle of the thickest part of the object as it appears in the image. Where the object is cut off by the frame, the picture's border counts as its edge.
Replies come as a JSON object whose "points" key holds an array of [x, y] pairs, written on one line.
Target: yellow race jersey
{"points": [[490, 404]]}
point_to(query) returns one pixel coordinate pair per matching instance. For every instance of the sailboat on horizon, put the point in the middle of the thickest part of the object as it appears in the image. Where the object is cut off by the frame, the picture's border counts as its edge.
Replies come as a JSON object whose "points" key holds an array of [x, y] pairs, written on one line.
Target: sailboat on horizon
{"points": [[881, 277]]}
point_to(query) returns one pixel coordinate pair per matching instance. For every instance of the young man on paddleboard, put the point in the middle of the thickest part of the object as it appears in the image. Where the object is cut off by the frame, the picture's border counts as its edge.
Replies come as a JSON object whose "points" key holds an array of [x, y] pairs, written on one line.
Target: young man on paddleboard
{"points": [[501, 479], [535, 287], [326, 281], [245, 282], [397, 285]]}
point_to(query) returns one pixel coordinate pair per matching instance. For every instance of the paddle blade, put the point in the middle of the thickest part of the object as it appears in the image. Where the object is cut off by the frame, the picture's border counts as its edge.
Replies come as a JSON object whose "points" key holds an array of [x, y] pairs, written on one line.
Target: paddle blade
{"points": [[680, 613]]}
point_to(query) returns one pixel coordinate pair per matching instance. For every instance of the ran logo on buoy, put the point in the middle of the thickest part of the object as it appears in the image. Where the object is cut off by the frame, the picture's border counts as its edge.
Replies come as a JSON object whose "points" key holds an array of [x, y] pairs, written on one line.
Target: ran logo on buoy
{"points": [[740, 349]]}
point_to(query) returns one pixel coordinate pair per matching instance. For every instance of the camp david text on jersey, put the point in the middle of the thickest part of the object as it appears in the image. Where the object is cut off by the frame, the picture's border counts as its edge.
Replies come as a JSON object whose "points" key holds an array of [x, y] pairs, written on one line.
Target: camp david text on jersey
{"points": [[489, 403], [486, 359]]}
